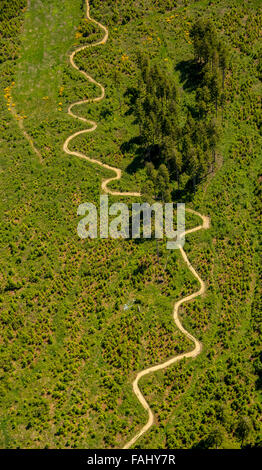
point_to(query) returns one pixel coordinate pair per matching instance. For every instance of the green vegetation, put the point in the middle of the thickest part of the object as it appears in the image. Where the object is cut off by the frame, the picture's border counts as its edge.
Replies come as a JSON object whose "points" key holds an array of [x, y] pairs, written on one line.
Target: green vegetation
{"points": [[189, 150], [80, 318]]}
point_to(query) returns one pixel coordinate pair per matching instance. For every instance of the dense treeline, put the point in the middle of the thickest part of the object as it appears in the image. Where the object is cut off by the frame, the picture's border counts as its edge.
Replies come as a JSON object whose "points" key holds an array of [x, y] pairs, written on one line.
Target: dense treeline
{"points": [[187, 151]]}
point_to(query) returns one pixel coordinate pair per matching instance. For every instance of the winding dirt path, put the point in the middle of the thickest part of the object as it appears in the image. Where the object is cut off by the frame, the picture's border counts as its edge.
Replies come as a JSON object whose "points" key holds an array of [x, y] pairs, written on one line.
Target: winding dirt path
{"points": [[197, 345], [205, 225]]}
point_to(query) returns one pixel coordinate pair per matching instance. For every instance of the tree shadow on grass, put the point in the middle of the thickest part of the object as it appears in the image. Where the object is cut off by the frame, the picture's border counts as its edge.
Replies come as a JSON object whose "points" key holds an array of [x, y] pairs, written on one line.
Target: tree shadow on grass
{"points": [[190, 74]]}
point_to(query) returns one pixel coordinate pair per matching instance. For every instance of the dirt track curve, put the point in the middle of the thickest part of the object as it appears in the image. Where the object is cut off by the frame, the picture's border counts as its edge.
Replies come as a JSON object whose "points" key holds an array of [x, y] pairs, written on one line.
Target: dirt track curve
{"points": [[205, 225]]}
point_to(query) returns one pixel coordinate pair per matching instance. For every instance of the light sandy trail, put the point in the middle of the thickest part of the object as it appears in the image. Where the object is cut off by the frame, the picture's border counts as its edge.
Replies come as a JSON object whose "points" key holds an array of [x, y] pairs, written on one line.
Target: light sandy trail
{"points": [[205, 225], [93, 124]]}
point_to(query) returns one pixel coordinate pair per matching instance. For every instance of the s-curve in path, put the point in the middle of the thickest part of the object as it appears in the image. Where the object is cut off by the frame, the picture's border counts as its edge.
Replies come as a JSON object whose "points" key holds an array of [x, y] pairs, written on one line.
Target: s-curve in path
{"points": [[205, 224], [197, 345], [93, 124]]}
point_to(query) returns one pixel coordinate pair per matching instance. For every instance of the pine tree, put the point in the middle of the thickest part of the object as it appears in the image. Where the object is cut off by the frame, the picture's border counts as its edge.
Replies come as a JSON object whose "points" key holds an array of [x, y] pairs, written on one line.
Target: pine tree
{"points": [[148, 191]]}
